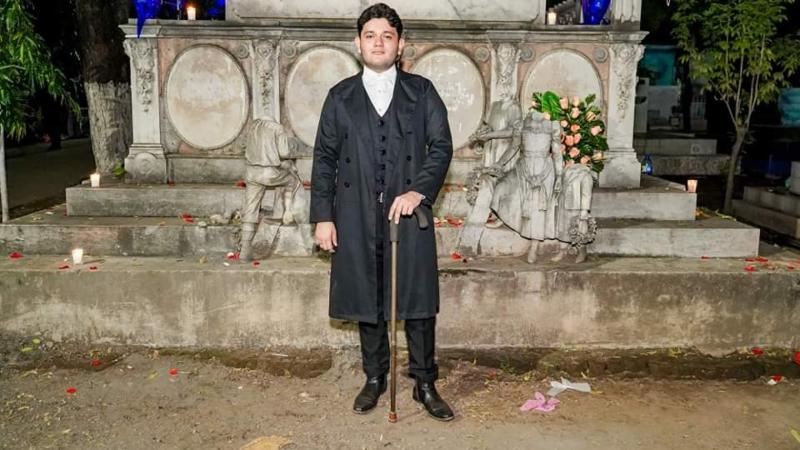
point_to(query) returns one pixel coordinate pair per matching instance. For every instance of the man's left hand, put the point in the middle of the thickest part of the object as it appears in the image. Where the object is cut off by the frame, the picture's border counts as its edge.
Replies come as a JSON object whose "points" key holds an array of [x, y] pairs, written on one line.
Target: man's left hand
{"points": [[404, 205]]}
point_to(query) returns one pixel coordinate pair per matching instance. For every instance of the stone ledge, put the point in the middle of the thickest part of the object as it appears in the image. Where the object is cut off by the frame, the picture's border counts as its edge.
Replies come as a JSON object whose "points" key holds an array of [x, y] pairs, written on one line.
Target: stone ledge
{"points": [[605, 303], [764, 217]]}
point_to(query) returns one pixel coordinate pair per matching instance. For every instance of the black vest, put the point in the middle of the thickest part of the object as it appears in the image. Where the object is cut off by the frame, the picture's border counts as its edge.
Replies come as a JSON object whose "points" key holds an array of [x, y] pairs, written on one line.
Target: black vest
{"points": [[381, 129]]}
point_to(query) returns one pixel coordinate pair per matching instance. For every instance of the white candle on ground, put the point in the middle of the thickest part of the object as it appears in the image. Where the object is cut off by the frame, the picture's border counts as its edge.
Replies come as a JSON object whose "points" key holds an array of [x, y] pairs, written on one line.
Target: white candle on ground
{"points": [[95, 178], [691, 186], [77, 256], [191, 13]]}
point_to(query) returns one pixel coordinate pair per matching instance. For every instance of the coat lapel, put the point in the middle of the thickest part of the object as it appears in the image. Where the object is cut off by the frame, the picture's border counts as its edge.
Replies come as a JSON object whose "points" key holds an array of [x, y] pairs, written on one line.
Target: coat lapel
{"points": [[356, 104], [405, 103]]}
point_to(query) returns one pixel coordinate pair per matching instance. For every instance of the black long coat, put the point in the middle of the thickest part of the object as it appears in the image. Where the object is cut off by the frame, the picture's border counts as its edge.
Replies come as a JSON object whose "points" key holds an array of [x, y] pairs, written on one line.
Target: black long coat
{"points": [[343, 192]]}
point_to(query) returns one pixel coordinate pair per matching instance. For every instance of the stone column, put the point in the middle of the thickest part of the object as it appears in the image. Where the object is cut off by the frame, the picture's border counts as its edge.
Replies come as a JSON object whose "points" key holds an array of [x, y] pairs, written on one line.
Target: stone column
{"points": [[622, 168], [265, 81], [146, 161]]}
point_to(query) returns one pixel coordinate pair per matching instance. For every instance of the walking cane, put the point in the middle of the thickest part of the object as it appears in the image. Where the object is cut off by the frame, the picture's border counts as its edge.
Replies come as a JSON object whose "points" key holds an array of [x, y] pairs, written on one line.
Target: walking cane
{"points": [[394, 237]]}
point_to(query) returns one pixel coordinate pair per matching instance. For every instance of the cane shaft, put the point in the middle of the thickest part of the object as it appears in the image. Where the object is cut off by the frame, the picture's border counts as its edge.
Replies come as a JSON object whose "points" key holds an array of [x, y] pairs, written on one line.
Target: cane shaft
{"points": [[393, 392]]}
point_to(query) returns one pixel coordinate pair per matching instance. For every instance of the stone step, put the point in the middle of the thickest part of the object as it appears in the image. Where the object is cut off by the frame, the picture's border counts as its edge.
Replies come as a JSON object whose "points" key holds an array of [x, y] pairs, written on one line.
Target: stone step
{"points": [[707, 165], [43, 233], [788, 224], [771, 198], [715, 237], [675, 146], [656, 199], [605, 303]]}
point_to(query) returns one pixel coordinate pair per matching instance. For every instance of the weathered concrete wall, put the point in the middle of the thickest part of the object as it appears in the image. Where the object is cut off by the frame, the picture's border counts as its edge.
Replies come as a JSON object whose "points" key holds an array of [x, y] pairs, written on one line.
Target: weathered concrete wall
{"points": [[615, 303]]}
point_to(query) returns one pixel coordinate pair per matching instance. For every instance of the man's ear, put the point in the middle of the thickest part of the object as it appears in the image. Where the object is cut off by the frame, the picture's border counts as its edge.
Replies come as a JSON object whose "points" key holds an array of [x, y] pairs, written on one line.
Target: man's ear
{"points": [[357, 42], [401, 44]]}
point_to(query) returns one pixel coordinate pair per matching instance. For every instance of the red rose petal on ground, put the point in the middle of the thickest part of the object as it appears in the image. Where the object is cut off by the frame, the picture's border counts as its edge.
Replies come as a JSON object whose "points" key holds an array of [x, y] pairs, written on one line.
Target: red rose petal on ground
{"points": [[704, 257], [750, 269], [171, 183], [173, 371], [455, 256], [96, 363], [71, 390], [797, 358], [15, 255], [256, 263], [758, 351], [750, 259], [63, 267], [92, 268], [187, 218], [241, 184], [231, 256], [790, 267], [761, 259], [777, 378]]}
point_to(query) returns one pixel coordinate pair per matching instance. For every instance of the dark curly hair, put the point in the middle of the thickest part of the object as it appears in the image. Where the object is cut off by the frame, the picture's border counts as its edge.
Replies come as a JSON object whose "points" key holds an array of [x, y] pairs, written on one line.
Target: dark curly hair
{"points": [[381, 11]]}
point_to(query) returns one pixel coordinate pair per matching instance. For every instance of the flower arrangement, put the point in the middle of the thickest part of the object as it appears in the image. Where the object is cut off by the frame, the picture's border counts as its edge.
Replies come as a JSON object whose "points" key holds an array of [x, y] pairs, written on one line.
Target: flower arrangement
{"points": [[582, 131]]}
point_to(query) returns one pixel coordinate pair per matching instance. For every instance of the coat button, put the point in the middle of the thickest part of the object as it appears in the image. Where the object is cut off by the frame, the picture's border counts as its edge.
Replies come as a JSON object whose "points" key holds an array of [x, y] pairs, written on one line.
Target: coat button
{"points": [[408, 158], [347, 160], [408, 180], [346, 184]]}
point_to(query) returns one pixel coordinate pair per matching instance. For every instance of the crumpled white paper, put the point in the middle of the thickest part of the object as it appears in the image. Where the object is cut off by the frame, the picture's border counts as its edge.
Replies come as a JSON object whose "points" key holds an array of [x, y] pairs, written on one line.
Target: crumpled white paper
{"points": [[557, 388]]}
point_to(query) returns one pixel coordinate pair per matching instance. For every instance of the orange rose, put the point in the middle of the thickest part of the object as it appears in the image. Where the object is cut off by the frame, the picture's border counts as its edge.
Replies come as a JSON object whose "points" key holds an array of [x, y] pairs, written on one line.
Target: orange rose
{"points": [[569, 140], [596, 130], [546, 116], [564, 103], [574, 128], [574, 152], [576, 139], [575, 113], [563, 124], [597, 156], [585, 160], [576, 101]]}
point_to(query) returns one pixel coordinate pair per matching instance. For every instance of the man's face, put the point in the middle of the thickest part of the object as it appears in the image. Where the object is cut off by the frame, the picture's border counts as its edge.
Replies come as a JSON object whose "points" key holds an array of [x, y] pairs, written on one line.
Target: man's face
{"points": [[379, 44]]}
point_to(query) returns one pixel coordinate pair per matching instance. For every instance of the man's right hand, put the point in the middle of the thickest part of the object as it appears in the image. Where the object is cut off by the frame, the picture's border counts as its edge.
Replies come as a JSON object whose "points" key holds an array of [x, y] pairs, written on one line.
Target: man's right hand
{"points": [[325, 236]]}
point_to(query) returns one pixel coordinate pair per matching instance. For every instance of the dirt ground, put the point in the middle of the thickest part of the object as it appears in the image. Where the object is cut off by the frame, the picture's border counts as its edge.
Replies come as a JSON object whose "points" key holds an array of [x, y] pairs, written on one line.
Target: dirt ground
{"points": [[133, 401]]}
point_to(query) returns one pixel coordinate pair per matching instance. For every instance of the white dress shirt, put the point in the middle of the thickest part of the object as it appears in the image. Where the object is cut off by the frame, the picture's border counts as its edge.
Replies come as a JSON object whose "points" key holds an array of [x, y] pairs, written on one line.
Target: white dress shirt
{"points": [[380, 87]]}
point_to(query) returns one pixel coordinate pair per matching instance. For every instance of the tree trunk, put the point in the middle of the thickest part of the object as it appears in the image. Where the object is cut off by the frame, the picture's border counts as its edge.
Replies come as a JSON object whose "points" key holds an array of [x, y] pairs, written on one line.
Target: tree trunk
{"points": [[106, 76], [734, 163], [3, 182]]}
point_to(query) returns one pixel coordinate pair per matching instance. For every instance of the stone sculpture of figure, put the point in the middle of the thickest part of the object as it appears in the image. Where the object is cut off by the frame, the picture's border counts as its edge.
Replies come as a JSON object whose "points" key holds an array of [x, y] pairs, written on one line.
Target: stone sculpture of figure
{"points": [[573, 223], [268, 146], [504, 113], [525, 196], [521, 193]]}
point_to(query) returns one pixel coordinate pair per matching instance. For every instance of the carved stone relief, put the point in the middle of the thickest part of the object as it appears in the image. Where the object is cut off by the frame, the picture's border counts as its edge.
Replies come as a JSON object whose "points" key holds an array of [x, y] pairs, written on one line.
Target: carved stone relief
{"points": [[142, 55], [626, 58]]}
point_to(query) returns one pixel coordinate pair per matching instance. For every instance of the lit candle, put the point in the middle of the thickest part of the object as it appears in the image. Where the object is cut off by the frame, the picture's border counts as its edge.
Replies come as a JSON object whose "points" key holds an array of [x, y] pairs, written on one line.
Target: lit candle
{"points": [[95, 178], [691, 186], [552, 17], [191, 13], [77, 256]]}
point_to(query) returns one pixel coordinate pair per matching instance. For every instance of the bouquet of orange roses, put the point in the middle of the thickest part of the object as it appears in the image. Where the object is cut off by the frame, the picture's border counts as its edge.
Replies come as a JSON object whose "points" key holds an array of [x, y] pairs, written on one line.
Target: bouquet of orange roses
{"points": [[582, 132]]}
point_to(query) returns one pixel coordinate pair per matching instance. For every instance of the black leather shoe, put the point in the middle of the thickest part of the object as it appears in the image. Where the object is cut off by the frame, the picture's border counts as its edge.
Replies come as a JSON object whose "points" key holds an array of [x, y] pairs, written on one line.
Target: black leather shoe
{"points": [[437, 408], [369, 395]]}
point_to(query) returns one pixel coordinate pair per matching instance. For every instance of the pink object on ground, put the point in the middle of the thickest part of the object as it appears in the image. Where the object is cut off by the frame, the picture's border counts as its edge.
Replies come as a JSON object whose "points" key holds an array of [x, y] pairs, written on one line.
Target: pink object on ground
{"points": [[540, 403]]}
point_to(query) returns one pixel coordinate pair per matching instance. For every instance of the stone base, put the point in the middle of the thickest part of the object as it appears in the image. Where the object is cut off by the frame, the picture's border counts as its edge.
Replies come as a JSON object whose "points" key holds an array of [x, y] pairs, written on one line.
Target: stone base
{"points": [[687, 146], [622, 170], [605, 303], [146, 163], [715, 165], [773, 199]]}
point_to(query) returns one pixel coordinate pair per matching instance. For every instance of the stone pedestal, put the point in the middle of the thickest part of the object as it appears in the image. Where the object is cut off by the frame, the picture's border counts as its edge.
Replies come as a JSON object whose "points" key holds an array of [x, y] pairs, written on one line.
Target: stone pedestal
{"points": [[794, 183]]}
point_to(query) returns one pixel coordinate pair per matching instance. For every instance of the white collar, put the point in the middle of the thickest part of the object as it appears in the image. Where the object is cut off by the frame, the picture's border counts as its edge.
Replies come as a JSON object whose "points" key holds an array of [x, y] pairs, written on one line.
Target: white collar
{"points": [[370, 76]]}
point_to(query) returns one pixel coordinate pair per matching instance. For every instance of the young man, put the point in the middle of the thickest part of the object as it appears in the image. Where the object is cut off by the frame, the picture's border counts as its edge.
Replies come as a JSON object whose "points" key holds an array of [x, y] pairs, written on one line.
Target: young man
{"points": [[382, 150]]}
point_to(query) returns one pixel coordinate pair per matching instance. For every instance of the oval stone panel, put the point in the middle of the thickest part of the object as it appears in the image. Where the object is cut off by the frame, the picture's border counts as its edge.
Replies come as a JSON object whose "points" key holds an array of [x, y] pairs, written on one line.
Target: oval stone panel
{"points": [[564, 72], [313, 74], [458, 81], [207, 97]]}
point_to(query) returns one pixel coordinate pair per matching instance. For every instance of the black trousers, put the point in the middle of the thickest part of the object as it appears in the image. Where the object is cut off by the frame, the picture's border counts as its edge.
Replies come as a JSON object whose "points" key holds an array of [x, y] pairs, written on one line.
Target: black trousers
{"points": [[420, 333]]}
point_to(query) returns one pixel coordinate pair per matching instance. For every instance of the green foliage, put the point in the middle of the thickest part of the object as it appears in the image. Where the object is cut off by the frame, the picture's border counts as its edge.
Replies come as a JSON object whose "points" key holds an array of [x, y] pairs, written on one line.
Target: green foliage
{"points": [[24, 68], [734, 46], [582, 130], [118, 171]]}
